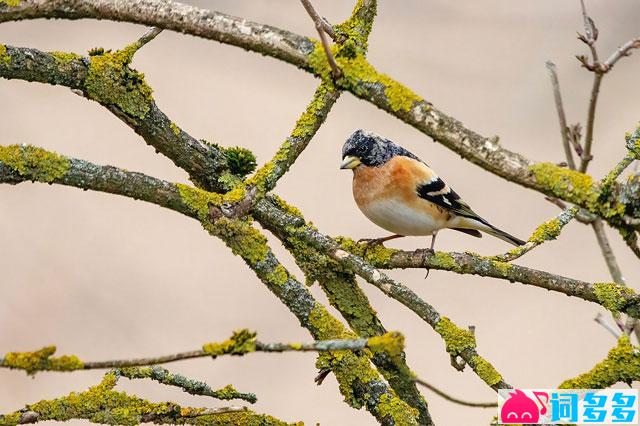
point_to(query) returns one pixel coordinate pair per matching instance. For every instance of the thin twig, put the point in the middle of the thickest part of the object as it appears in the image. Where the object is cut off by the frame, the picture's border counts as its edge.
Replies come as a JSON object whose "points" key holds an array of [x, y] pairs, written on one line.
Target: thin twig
{"points": [[622, 51], [190, 386], [326, 27], [607, 252], [583, 216], [454, 399], [591, 115], [147, 37], [603, 322], [575, 136], [561, 115], [318, 346], [321, 25], [549, 230]]}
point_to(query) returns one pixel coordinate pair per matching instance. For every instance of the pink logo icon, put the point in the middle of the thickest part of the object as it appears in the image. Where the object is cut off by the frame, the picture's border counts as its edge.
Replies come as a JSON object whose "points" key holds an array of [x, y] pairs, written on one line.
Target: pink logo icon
{"points": [[519, 408]]}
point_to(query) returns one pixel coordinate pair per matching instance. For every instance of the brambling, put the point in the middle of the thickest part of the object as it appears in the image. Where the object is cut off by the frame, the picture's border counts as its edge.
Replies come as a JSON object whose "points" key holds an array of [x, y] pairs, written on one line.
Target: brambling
{"points": [[398, 192]]}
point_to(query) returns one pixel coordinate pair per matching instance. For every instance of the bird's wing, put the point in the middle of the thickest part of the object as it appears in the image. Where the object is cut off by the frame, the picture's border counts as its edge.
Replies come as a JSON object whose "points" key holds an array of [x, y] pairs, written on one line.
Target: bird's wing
{"points": [[440, 194]]}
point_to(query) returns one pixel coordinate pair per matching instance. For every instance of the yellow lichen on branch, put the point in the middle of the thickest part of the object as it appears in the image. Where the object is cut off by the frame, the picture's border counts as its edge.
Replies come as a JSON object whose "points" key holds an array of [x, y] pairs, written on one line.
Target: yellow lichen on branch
{"points": [[41, 360], [622, 364], [241, 342], [102, 404], [111, 81], [34, 163], [4, 57], [357, 73], [612, 295]]}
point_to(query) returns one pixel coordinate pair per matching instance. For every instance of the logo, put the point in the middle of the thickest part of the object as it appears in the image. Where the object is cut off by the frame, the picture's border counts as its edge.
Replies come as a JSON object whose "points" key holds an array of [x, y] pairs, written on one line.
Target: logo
{"points": [[567, 406]]}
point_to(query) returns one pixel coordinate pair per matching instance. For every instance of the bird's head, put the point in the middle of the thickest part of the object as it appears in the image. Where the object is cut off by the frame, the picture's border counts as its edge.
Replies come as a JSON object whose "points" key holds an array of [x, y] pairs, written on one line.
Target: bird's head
{"points": [[368, 149]]}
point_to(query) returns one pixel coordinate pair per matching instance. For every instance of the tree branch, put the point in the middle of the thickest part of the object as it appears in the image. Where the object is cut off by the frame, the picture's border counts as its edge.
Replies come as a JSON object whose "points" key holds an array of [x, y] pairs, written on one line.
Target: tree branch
{"points": [[397, 291], [323, 28], [621, 52], [561, 115], [454, 399], [364, 11], [319, 20], [305, 129], [360, 78], [607, 252], [103, 404], [549, 230], [190, 386], [241, 342], [622, 364], [603, 322], [152, 33], [18, 164]]}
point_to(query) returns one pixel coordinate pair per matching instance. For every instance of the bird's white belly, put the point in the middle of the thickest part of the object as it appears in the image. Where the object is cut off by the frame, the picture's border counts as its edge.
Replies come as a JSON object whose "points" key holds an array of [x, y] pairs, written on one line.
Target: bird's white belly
{"points": [[399, 218]]}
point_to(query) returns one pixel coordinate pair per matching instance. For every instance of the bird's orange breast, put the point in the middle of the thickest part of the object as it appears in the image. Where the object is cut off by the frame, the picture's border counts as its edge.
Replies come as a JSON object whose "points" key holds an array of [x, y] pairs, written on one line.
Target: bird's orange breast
{"points": [[387, 195]]}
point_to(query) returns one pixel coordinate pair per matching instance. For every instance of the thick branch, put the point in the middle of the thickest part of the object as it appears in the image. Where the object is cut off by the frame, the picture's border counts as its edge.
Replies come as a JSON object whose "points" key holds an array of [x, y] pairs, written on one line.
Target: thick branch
{"points": [[367, 83], [345, 294], [175, 16], [622, 364], [305, 129], [103, 404], [18, 164], [609, 295], [107, 79], [392, 289]]}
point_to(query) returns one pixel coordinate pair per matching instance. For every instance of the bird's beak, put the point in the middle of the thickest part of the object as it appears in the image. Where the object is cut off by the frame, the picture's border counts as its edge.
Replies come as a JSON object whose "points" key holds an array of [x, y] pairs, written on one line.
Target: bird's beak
{"points": [[350, 162]]}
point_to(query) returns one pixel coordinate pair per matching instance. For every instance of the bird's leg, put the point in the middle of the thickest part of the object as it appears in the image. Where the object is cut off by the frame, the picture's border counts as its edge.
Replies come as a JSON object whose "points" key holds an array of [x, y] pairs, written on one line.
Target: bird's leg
{"points": [[377, 241], [433, 243], [433, 240]]}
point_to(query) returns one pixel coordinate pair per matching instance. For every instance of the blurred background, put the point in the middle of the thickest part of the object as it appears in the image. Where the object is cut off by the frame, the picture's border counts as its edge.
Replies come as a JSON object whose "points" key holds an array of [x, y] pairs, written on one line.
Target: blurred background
{"points": [[104, 277]]}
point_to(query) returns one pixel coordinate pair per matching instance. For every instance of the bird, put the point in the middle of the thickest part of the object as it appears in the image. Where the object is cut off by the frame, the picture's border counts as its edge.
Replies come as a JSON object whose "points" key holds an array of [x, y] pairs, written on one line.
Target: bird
{"points": [[401, 194]]}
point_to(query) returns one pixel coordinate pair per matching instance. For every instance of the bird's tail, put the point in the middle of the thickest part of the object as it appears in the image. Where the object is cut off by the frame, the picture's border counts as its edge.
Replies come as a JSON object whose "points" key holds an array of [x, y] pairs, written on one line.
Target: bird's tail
{"points": [[498, 233], [484, 226]]}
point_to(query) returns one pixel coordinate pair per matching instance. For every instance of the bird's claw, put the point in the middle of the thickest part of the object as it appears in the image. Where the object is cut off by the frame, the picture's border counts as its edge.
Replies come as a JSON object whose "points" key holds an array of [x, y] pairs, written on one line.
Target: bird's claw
{"points": [[371, 242]]}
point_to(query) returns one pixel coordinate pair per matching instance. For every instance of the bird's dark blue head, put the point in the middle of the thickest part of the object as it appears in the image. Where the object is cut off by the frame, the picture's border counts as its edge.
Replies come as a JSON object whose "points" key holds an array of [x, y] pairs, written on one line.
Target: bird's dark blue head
{"points": [[370, 149]]}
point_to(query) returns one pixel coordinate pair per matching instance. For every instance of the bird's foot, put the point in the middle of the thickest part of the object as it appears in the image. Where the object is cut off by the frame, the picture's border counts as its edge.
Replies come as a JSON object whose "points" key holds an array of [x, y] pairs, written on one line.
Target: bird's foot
{"points": [[425, 254], [372, 242]]}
